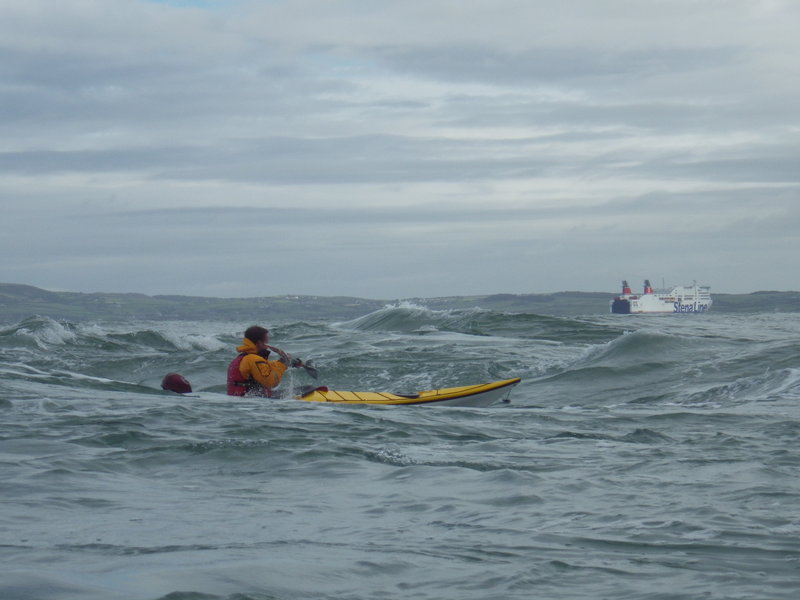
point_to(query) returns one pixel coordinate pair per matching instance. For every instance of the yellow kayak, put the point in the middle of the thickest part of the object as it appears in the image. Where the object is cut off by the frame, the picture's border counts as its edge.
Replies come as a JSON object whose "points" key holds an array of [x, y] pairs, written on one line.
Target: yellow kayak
{"points": [[484, 394]]}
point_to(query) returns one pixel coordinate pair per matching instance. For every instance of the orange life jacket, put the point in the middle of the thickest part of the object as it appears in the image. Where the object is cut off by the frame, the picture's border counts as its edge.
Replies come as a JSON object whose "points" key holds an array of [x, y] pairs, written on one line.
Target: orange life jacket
{"points": [[238, 385]]}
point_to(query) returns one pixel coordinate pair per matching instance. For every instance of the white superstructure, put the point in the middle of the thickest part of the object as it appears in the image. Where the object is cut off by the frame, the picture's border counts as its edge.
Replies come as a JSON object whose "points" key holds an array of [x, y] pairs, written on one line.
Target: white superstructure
{"points": [[679, 300]]}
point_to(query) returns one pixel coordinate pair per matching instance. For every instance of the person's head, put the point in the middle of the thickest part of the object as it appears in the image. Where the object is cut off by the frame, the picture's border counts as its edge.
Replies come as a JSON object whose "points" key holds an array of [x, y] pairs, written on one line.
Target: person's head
{"points": [[257, 334], [176, 383]]}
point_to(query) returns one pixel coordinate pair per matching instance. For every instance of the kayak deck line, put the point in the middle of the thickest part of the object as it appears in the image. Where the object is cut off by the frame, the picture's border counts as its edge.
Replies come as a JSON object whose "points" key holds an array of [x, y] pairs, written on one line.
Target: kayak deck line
{"points": [[477, 395]]}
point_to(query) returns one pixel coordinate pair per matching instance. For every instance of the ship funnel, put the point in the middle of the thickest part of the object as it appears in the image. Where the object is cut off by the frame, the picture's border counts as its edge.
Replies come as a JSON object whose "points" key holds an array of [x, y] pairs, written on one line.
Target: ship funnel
{"points": [[648, 289], [625, 288]]}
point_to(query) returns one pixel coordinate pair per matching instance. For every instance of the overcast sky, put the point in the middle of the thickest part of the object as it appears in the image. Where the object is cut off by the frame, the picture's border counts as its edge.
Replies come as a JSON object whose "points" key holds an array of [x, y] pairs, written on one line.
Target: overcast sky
{"points": [[395, 149]]}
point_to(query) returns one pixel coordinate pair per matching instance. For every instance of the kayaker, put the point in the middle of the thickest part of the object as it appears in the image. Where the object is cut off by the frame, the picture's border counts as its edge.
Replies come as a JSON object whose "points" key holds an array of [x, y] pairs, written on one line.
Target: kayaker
{"points": [[251, 372]]}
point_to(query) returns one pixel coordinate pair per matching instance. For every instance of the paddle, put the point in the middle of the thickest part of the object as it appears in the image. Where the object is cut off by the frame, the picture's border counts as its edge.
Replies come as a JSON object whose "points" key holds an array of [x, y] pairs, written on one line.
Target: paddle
{"points": [[296, 362], [310, 368]]}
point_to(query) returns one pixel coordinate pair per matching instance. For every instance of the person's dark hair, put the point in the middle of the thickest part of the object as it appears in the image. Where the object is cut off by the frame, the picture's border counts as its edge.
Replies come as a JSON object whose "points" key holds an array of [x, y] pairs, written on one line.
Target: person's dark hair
{"points": [[256, 333]]}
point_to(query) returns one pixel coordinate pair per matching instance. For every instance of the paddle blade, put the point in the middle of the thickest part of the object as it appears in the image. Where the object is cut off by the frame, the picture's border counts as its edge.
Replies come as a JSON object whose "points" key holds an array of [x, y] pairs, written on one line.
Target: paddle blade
{"points": [[310, 369]]}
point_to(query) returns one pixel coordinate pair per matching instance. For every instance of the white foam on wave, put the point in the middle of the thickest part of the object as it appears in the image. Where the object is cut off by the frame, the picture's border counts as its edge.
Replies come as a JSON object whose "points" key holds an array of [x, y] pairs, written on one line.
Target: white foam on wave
{"points": [[52, 333], [408, 309], [84, 377], [193, 341], [24, 370]]}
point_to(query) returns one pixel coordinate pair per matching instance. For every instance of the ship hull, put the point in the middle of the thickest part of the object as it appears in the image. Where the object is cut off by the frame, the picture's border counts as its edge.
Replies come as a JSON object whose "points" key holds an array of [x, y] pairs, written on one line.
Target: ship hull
{"points": [[620, 307], [680, 300]]}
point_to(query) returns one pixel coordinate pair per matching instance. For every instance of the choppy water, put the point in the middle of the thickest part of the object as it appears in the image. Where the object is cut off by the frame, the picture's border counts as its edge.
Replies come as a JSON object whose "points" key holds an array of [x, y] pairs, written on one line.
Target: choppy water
{"points": [[641, 457]]}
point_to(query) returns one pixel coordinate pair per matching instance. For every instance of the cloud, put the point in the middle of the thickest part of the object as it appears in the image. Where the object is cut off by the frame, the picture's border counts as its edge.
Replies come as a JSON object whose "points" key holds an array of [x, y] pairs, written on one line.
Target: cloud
{"points": [[397, 149]]}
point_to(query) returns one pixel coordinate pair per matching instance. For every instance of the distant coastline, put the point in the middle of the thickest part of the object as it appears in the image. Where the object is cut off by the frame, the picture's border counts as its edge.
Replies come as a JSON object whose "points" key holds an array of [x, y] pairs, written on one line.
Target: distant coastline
{"points": [[18, 302]]}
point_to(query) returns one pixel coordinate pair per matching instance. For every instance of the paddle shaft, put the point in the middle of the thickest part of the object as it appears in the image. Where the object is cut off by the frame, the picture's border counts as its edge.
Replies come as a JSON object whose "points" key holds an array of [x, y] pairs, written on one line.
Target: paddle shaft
{"points": [[312, 371]]}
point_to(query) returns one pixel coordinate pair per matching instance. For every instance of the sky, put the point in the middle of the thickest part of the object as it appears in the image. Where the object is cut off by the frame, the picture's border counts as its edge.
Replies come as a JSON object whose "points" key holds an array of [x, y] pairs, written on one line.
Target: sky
{"points": [[399, 149]]}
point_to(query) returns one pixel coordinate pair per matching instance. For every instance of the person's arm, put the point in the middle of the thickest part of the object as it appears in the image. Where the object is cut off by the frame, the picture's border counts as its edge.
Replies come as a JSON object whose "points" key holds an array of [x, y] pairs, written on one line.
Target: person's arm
{"points": [[266, 372], [285, 357]]}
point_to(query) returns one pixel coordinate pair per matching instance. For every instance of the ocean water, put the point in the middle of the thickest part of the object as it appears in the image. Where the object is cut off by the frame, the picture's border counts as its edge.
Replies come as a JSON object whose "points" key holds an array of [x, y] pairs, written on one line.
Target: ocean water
{"points": [[641, 457]]}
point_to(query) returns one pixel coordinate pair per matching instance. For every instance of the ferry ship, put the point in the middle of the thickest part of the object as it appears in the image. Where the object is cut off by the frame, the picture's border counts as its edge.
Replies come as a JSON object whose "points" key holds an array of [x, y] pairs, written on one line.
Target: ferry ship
{"points": [[679, 300]]}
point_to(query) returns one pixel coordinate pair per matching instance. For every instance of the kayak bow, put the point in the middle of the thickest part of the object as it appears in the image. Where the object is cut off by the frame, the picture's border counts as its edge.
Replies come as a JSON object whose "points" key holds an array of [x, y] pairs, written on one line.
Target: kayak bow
{"points": [[479, 395]]}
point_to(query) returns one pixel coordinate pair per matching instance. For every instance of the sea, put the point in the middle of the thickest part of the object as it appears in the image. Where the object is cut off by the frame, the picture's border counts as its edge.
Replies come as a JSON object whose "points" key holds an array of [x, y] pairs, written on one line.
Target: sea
{"points": [[651, 457]]}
